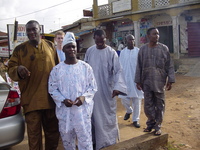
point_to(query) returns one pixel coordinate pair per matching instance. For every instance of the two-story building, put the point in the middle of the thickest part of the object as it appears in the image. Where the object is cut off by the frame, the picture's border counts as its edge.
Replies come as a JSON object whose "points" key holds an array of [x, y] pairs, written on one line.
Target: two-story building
{"points": [[177, 20]]}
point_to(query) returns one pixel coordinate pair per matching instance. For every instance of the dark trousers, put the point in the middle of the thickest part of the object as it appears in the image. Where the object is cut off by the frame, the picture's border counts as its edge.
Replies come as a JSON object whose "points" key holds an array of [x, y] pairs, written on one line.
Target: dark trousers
{"points": [[154, 107], [46, 119]]}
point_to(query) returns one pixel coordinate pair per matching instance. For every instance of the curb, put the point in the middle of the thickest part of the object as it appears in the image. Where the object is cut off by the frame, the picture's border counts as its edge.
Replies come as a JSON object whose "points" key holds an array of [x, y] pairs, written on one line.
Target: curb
{"points": [[144, 142]]}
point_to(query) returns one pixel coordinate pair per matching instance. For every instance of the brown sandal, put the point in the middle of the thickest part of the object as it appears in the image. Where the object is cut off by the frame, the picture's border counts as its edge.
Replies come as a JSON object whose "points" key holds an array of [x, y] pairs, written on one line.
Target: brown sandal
{"points": [[148, 129]]}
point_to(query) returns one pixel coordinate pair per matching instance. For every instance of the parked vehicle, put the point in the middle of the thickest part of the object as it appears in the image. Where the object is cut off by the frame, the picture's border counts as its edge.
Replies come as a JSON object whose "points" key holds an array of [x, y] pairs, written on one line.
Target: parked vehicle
{"points": [[12, 126]]}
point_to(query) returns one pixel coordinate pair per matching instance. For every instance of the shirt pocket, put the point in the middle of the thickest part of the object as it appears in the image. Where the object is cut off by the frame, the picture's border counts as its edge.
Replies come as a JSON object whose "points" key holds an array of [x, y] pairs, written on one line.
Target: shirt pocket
{"points": [[160, 63]]}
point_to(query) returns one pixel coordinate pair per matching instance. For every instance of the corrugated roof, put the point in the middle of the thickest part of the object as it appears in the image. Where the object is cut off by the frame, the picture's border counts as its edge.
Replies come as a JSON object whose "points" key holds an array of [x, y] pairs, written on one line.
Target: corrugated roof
{"points": [[4, 41], [3, 34]]}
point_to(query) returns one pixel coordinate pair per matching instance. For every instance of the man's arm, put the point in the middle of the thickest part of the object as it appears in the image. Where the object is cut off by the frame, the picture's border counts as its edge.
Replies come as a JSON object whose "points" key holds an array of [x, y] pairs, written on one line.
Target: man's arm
{"points": [[119, 79], [139, 86], [53, 88], [13, 65], [138, 72], [168, 86], [169, 68], [91, 89]]}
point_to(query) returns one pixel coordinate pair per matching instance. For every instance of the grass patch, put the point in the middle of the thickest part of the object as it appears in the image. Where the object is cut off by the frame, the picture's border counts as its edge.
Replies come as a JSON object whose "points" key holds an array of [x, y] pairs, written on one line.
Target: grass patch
{"points": [[172, 146], [169, 146]]}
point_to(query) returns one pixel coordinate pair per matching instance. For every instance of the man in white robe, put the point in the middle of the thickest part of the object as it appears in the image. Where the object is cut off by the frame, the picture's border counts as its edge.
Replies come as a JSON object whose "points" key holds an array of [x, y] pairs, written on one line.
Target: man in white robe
{"points": [[128, 60], [110, 81], [72, 86]]}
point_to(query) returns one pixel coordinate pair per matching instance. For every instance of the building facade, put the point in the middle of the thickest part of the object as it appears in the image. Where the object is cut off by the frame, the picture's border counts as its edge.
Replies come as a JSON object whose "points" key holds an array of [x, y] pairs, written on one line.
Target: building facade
{"points": [[177, 20]]}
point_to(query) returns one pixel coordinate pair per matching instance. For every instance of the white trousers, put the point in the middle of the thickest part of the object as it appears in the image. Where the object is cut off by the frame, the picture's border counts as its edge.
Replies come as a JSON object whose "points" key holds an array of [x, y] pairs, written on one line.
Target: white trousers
{"points": [[79, 129], [84, 140], [134, 109]]}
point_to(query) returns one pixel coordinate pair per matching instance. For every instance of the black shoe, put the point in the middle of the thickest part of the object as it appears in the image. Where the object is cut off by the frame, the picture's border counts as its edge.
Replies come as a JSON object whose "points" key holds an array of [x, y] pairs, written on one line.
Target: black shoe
{"points": [[136, 124], [127, 116]]}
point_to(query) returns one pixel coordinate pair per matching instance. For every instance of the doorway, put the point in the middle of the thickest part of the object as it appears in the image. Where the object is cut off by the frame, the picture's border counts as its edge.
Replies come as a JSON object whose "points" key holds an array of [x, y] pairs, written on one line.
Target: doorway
{"points": [[166, 37], [193, 39]]}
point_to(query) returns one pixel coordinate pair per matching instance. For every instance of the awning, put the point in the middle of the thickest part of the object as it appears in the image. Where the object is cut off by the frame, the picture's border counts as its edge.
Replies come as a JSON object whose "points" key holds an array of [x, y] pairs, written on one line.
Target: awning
{"points": [[84, 32]]}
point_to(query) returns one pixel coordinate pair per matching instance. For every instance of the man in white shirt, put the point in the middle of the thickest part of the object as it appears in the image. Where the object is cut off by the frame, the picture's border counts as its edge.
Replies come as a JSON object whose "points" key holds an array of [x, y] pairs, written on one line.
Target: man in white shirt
{"points": [[128, 60]]}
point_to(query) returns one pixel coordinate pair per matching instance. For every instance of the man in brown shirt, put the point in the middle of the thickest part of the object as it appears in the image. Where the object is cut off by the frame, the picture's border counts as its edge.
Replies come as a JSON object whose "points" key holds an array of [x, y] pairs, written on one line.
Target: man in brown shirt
{"points": [[30, 65], [154, 74]]}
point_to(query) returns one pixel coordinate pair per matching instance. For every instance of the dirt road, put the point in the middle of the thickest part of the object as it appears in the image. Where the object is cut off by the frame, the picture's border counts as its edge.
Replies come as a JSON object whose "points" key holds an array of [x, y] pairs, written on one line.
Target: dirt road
{"points": [[181, 121], [182, 115]]}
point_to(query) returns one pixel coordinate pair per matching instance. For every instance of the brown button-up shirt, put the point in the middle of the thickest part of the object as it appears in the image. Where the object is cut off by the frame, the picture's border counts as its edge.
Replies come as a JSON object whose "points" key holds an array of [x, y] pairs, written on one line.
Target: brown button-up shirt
{"points": [[39, 61]]}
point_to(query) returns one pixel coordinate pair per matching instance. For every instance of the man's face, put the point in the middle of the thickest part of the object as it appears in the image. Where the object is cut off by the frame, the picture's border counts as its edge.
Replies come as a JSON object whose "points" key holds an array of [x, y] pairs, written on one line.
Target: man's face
{"points": [[130, 42], [100, 41], [70, 50], [33, 31], [59, 39], [154, 36]]}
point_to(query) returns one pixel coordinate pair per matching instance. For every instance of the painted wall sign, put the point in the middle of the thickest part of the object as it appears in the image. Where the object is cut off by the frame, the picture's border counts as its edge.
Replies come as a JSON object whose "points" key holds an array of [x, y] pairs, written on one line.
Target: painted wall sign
{"points": [[122, 5], [4, 52], [164, 23]]}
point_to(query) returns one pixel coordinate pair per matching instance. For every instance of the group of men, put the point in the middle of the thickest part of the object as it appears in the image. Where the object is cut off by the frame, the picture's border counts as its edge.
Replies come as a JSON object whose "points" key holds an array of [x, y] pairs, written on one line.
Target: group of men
{"points": [[75, 99]]}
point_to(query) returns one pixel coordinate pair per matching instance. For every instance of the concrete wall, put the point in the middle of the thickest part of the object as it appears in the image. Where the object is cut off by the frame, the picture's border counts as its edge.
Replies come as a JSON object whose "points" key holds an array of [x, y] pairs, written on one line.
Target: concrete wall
{"points": [[144, 142]]}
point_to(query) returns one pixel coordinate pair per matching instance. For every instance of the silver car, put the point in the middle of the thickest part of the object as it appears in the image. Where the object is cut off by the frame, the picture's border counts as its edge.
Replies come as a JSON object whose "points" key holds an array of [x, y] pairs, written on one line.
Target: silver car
{"points": [[12, 124]]}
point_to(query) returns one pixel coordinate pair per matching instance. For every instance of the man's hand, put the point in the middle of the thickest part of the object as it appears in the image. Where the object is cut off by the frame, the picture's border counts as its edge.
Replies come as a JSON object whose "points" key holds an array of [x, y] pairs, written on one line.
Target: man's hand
{"points": [[139, 86], [115, 93], [23, 72], [168, 86], [79, 101], [68, 102]]}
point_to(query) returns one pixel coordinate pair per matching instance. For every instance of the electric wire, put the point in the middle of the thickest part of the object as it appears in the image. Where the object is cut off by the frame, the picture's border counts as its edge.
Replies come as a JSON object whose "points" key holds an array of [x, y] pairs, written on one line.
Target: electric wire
{"points": [[36, 11]]}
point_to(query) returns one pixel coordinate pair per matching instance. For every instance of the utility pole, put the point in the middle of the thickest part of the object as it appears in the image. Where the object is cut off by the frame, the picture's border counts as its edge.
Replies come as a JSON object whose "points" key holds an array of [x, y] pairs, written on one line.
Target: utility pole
{"points": [[59, 22]]}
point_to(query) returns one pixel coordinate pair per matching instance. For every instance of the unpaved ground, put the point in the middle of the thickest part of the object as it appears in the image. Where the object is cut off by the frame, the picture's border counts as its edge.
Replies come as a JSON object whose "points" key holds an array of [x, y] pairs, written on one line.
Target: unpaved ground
{"points": [[181, 121], [182, 115]]}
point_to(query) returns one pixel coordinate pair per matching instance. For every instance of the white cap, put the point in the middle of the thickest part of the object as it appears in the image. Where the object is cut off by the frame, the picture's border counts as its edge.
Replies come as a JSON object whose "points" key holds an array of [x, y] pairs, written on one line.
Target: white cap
{"points": [[69, 38]]}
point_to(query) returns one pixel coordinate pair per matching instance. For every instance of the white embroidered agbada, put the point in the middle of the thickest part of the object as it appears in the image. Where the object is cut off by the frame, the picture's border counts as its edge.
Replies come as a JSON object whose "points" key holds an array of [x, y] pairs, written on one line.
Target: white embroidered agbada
{"points": [[69, 82], [109, 77]]}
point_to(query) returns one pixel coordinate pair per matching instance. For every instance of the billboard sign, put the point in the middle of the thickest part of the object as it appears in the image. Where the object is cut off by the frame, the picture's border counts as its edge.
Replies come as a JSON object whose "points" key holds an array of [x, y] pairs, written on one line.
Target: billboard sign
{"points": [[21, 35]]}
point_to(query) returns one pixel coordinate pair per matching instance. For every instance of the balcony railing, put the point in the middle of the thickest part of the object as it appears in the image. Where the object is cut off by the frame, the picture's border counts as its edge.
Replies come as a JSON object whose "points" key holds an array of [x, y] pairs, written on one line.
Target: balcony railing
{"points": [[185, 1], [106, 10]]}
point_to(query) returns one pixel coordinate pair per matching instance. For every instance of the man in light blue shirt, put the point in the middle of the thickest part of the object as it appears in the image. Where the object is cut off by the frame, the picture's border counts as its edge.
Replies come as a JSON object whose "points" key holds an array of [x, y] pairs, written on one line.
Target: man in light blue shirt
{"points": [[59, 36]]}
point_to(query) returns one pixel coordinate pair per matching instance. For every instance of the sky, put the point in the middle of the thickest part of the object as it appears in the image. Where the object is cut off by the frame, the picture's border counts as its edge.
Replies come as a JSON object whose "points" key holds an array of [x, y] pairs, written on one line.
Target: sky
{"points": [[53, 14]]}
